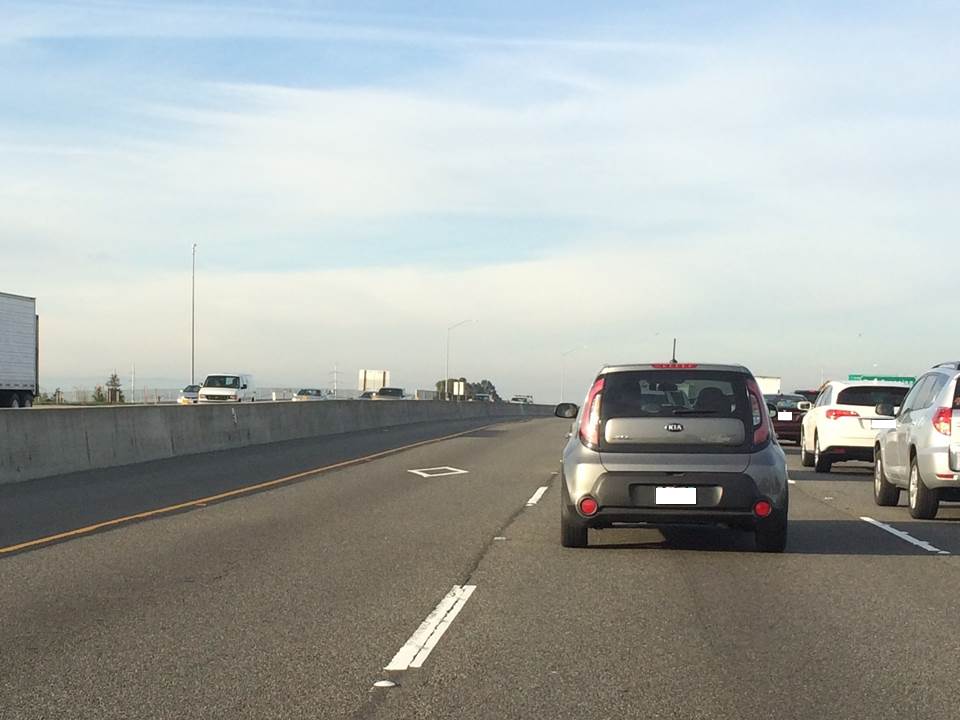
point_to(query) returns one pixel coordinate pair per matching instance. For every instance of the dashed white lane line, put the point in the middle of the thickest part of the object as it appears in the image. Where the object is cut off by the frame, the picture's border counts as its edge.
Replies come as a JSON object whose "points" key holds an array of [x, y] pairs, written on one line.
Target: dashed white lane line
{"points": [[535, 498], [905, 536], [416, 650], [792, 482]]}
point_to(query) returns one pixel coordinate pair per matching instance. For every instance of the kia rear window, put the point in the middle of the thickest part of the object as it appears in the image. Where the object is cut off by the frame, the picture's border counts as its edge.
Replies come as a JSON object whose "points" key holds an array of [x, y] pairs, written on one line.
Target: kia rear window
{"points": [[872, 396], [673, 393]]}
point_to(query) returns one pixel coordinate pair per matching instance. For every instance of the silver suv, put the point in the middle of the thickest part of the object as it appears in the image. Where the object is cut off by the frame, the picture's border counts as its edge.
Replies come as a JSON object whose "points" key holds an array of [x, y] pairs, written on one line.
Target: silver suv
{"points": [[921, 452], [671, 443]]}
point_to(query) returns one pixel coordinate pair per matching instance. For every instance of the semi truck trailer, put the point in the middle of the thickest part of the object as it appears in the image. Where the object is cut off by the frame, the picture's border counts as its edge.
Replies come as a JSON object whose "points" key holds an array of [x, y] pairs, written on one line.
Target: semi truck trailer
{"points": [[19, 350]]}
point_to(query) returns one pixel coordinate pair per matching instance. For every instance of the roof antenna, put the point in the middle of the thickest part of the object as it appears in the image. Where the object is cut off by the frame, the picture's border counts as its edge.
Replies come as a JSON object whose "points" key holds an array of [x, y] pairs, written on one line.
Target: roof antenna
{"points": [[673, 360]]}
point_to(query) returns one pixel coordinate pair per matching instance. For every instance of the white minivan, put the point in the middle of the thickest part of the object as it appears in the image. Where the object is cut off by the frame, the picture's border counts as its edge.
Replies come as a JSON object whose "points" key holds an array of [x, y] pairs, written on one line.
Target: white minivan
{"points": [[227, 387]]}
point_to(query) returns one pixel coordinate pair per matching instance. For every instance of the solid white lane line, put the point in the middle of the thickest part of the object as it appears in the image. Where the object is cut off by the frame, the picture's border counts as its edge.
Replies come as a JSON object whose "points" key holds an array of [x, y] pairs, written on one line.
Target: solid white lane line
{"points": [[535, 498], [905, 536], [416, 648]]}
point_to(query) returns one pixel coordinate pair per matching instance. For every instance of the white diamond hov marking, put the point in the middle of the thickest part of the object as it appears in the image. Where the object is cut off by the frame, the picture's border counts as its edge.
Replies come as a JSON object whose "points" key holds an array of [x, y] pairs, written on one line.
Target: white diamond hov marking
{"points": [[416, 650], [905, 536], [438, 471], [536, 496]]}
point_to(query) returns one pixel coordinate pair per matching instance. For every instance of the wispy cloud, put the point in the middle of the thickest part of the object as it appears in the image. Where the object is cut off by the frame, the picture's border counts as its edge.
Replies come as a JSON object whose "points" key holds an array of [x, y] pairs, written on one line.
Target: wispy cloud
{"points": [[618, 188]]}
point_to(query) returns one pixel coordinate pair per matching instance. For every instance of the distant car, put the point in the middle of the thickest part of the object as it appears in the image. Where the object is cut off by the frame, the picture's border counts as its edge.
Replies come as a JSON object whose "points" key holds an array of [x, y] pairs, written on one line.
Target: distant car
{"points": [[308, 394], [227, 387], [482, 397], [786, 412], [189, 395], [843, 423], [522, 399], [388, 393], [367, 395], [673, 443], [921, 452]]}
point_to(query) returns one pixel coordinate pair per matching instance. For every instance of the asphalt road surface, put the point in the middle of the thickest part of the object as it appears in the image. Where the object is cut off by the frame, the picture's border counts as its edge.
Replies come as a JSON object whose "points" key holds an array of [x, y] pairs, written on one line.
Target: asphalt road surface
{"points": [[291, 601]]}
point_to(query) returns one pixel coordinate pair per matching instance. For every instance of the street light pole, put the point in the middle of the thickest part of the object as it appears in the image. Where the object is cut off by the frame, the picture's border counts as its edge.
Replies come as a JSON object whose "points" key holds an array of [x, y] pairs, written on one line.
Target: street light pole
{"points": [[193, 316], [446, 372], [563, 368]]}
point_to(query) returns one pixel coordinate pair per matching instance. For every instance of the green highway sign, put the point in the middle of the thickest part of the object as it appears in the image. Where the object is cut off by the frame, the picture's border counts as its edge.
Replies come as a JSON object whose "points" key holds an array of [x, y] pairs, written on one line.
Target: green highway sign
{"points": [[856, 377]]}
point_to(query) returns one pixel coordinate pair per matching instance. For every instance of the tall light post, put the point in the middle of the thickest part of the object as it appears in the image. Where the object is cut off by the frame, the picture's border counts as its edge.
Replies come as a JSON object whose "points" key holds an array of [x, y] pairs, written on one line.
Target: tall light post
{"points": [[193, 316], [563, 367], [446, 372]]}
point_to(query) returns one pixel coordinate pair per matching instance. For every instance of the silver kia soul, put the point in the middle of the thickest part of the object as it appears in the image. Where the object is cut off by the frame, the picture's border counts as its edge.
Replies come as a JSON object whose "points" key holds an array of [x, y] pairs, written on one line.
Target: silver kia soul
{"points": [[672, 443]]}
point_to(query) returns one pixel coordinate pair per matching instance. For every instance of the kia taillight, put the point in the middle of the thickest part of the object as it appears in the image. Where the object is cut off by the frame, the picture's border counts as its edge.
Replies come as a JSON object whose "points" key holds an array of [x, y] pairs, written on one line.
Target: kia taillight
{"points": [[941, 420], [834, 414], [758, 411], [674, 366], [590, 416]]}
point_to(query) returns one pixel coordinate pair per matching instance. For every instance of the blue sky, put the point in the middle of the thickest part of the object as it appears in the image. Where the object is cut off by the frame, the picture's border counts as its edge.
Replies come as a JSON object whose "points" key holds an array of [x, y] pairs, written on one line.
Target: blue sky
{"points": [[565, 173]]}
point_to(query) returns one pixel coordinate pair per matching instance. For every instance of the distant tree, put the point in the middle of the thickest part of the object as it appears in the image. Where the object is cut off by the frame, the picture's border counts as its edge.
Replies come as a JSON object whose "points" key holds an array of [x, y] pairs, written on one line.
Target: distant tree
{"points": [[115, 394], [471, 390], [99, 396]]}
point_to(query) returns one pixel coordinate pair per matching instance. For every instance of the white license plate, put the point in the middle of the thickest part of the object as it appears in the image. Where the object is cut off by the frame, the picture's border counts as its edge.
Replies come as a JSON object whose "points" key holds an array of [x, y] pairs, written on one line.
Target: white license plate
{"points": [[788, 416], [676, 496], [882, 424]]}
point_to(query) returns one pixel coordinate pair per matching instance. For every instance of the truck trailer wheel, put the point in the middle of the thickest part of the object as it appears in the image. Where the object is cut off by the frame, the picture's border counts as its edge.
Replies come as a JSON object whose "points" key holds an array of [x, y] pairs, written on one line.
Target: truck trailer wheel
{"points": [[14, 401], [26, 400]]}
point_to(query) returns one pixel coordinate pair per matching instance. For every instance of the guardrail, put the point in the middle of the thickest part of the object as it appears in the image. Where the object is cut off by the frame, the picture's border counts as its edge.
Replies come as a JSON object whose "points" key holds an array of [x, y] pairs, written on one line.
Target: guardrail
{"points": [[58, 441]]}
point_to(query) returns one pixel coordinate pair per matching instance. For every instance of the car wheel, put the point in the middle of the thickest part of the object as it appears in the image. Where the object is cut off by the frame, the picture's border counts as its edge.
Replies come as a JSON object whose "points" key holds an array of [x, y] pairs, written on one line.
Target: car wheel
{"points": [[806, 459], [884, 492], [923, 501], [573, 533], [771, 533], [821, 463]]}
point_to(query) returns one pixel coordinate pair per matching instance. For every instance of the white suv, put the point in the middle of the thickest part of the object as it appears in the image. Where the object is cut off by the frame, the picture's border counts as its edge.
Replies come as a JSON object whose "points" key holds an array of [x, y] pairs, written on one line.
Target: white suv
{"points": [[921, 452], [843, 423]]}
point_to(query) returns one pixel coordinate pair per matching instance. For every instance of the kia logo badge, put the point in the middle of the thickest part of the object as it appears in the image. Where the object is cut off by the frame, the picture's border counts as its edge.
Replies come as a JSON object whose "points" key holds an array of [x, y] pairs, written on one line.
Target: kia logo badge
{"points": [[673, 427]]}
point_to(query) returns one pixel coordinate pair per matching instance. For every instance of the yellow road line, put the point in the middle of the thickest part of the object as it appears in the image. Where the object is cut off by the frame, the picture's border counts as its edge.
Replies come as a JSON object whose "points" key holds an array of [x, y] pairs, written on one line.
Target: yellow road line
{"points": [[225, 495]]}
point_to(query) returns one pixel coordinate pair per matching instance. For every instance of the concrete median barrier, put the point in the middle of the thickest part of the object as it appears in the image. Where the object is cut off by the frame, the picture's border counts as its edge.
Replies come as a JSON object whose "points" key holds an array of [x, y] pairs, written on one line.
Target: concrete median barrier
{"points": [[35, 444]]}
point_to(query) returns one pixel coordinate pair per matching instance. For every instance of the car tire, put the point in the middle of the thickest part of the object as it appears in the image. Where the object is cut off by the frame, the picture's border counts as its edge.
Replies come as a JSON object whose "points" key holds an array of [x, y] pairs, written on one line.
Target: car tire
{"points": [[14, 400], [806, 459], [771, 533], [885, 493], [573, 533], [922, 501], [821, 463]]}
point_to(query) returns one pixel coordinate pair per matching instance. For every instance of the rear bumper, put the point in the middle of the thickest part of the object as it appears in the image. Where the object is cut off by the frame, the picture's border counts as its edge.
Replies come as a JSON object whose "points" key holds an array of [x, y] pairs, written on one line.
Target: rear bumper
{"points": [[838, 453], [934, 465], [631, 498]]}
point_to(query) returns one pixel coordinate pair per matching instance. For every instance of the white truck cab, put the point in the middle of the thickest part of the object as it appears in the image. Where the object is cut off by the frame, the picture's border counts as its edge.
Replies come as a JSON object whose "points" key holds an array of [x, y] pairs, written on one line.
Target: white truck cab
{"points": [[227, 387]]}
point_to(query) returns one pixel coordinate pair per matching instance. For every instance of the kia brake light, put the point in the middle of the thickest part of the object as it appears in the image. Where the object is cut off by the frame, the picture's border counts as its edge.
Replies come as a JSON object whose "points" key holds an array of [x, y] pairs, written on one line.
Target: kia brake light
{"points": [[674, 366], [834, 414], [941, 420], [590, 417], [758, 413]]}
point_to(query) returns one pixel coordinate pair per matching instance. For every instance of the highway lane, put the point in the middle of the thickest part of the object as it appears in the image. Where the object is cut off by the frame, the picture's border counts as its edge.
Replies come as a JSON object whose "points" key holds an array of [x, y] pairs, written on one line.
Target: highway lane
{"points": [[851, 622], [282, 604], [290, 603], [47, 506]]}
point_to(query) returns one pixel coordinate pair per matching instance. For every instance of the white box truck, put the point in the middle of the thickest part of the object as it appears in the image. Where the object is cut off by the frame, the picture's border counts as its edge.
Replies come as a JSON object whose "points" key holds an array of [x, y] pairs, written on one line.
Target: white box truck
{"points": [[19, 350], [769, 385]]}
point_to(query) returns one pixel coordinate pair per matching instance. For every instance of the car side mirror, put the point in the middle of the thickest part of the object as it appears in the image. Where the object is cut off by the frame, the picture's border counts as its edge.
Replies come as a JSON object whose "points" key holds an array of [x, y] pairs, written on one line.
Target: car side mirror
{"points": [[885, 409], [804, 406], [243, 387], [772, 409], [566, 410]]}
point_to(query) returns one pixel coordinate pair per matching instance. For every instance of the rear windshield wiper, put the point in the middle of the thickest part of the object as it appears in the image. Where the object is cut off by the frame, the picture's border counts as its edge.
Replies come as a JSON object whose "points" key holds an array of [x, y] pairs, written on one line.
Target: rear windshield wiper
{"points": [[682, 411]]}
